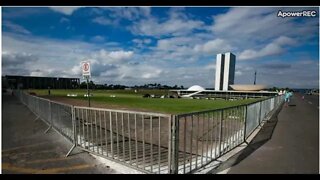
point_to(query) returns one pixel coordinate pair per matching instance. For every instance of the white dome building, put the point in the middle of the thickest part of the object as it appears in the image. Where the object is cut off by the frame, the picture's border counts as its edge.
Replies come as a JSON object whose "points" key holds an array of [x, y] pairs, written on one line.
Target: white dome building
{"points": [[196, 88]]}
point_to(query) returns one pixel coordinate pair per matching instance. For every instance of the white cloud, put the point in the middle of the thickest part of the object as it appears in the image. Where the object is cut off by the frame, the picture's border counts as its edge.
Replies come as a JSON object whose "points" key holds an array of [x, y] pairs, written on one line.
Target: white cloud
{"points": [[270, 49], [15, 27], [142, 41], [131, 13], [237, 73], [62, 58], [44, 47], [175, 27], [128, 13], [37, 73], [177, 24], [58, 55], [172, 44], [98, 38], [150, 72], [248, 27], [114, 15], [63, 19], [211, 66], [146, 11], [273, 48], [104, 63], [214, 47], [178, 50], [283, 40], [147, 41], [243, 22], [295, 74], [76, 70], [119, 55], [112, 56], [187, 58], [65, 10], [17, 62], [105, 21]]}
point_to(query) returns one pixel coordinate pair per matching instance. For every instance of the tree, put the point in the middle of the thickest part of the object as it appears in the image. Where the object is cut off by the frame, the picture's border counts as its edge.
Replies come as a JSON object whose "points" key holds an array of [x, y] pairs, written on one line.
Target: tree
{"points": [[92, 85], [83, 85]]}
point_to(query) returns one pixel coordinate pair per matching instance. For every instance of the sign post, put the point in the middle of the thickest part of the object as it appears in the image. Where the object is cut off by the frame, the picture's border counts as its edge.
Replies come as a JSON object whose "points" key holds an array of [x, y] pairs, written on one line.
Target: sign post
{"points": [[85, 66]]}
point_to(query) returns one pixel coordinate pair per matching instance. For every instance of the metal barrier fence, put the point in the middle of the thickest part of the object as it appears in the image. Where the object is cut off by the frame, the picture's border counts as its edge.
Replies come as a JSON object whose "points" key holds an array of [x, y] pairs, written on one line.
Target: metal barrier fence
{"points": [[202, 137], [57, 115], [205, 136], [138, 139], [153, 142]]}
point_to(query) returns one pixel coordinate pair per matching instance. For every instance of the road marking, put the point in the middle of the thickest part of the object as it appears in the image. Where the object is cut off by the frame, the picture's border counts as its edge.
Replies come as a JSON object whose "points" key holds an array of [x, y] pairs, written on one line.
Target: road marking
{"points": [[50, 160], [309, 102], [26, 146], [224, 171], [28, 153], [57, 170], [10, 167]]}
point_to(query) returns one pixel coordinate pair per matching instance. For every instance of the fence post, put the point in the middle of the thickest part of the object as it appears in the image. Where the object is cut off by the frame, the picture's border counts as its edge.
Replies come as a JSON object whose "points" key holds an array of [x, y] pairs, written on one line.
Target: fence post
{"points": [[260, 119], [73, 118], [175, 144], [49, 119], [220, 132], [245, 123]]}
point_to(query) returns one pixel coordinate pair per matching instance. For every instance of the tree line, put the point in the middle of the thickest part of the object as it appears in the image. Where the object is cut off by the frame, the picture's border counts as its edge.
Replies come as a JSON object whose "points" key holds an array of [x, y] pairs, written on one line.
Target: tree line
{"points": [[92, 85]]}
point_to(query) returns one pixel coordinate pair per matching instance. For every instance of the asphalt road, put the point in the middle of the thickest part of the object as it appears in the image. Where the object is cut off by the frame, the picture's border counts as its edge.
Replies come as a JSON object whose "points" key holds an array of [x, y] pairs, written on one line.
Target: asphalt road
{"points": [[293, 145], [313, 100], [26, 149]]}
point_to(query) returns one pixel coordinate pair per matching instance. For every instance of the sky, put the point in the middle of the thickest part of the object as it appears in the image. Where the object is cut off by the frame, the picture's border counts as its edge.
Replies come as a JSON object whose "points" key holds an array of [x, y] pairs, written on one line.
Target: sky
{"points": [[166, 45]]}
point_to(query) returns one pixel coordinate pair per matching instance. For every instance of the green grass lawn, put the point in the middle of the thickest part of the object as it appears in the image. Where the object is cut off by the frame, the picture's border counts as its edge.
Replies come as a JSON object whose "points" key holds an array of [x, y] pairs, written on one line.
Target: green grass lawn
{"points": [[130, 99]]}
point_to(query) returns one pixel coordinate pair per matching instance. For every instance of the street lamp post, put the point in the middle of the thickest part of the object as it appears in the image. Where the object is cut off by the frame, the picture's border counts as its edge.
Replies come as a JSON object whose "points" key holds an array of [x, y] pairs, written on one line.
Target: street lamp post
{"points": [[88, 91]]}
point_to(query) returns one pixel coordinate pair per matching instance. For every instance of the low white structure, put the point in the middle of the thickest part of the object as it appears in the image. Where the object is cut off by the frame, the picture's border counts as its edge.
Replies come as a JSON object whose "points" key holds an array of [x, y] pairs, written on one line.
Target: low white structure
{"points": [[247, 87], [72, 95], [196, 88]]}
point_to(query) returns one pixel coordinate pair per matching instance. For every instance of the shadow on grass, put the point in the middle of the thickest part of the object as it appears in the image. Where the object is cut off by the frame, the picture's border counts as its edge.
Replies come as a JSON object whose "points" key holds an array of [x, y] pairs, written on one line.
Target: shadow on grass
{"points": [[263, 136]]}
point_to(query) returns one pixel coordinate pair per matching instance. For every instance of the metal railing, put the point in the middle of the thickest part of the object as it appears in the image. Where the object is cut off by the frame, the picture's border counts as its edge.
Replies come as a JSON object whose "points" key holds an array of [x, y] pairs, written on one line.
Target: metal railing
{"points": [[153, 142], [138, 139], [57, 115], [202, 137]]}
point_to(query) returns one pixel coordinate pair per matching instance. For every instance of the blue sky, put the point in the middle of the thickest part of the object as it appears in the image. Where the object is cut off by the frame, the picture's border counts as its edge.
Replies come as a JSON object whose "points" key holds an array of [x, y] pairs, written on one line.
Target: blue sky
{"points": [[167, 45]]}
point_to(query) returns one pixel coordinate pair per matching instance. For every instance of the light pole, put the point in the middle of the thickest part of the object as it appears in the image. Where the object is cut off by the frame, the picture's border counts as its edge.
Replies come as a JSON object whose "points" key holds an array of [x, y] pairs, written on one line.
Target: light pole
{"points": [[255, 77], [88, 90]]}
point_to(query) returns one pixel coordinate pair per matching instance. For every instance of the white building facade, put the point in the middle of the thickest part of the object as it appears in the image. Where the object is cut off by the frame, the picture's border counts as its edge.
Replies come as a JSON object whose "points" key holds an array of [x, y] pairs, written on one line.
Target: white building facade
{"points": [[225, 70]]}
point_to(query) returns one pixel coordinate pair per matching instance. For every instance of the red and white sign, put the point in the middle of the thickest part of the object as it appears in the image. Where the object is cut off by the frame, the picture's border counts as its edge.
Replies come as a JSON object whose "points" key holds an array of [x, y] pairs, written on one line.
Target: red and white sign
{"points": [[85, 66]]}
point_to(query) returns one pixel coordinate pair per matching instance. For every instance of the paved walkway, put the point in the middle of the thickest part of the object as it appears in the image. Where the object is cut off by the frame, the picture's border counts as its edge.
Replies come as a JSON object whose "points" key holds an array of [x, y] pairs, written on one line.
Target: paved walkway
{"points": [[26, 149], [287, 144]]}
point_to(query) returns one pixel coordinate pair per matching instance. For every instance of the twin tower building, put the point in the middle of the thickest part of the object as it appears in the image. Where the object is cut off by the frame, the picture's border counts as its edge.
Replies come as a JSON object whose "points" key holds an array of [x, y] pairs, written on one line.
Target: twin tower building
{"points": [[225, 69]]}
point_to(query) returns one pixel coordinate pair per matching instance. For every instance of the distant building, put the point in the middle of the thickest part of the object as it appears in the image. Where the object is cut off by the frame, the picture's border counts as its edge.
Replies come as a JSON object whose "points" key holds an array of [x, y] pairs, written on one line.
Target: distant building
{"points": [[33, 82], [196, 88], [225, 70]]}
